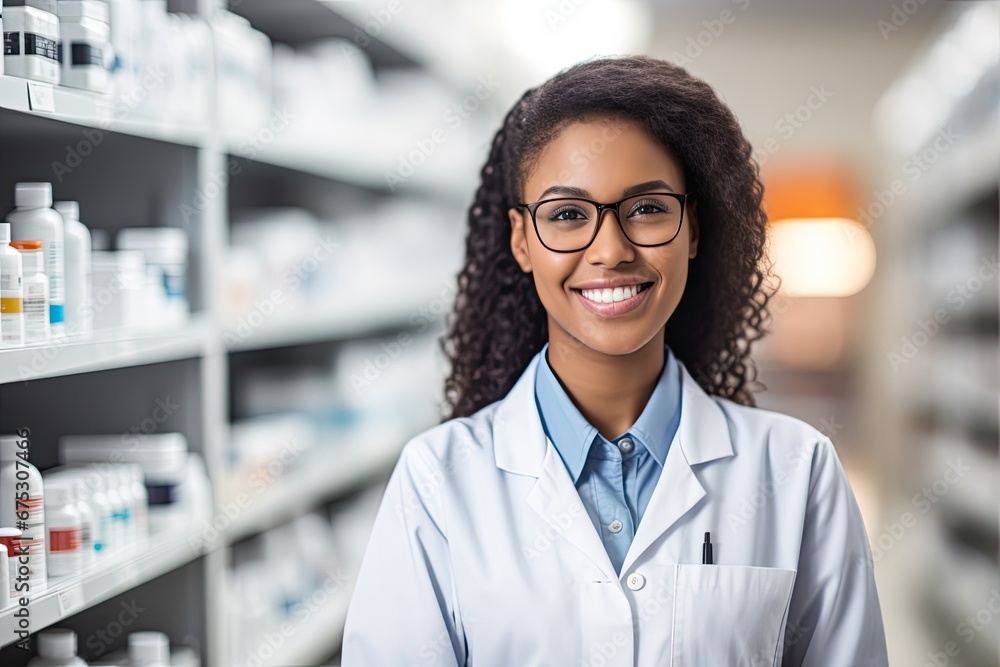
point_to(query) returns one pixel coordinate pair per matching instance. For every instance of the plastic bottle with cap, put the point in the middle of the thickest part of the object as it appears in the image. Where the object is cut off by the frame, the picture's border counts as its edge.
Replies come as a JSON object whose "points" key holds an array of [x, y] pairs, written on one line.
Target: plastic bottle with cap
{"points": [[148, 649], [62, 521], [10, 538], [79, 246], [29, 515], [101, 506], [5, 598], [31, 41], [35, 219], [122, 477], [141, 502], [11, 292], [57, 648], [87, 518], [36, 291]]}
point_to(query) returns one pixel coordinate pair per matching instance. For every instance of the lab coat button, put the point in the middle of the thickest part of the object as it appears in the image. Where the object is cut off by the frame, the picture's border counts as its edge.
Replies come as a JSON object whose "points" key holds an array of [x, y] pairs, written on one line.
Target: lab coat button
{"points": [[626, 445], [636, 581], [615, 526]]}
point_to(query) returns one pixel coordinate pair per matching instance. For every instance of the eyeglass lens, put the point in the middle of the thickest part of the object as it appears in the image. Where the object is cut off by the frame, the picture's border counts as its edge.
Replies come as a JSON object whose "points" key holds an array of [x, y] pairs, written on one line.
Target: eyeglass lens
{"points": [[568, 224]]}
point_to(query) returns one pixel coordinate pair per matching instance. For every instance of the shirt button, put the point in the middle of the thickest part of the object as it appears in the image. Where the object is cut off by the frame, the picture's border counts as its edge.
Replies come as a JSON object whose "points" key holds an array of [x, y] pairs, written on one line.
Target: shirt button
{"points": [[626, 445], [615, 526], [636, 581]]}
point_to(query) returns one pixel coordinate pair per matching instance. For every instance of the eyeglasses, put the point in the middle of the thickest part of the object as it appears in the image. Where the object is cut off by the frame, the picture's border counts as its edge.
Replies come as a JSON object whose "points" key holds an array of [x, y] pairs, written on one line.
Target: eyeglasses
{"points": [[571, 224]]}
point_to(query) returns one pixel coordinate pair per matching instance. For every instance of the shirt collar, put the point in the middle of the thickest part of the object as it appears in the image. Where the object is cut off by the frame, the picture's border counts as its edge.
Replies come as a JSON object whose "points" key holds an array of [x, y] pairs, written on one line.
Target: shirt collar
{"points": [[573, 435]]}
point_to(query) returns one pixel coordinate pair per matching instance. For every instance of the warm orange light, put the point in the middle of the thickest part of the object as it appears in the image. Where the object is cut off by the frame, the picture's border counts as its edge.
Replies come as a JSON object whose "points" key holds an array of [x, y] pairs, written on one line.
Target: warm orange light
{"points": [[814, 189]]}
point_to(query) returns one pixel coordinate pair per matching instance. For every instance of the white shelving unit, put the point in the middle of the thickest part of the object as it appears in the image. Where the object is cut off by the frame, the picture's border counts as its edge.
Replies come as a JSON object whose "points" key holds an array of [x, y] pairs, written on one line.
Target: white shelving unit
{"points": [[108, 382], [945, 228]]}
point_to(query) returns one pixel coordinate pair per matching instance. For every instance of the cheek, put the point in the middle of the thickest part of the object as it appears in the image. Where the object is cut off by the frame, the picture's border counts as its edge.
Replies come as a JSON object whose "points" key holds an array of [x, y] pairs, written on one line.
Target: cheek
{"points": [[550, 279]]}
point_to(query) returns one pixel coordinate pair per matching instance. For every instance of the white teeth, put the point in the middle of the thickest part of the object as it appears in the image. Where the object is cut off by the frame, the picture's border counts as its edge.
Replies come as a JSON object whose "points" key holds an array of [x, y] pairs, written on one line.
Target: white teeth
{"points": [[610, 295]]}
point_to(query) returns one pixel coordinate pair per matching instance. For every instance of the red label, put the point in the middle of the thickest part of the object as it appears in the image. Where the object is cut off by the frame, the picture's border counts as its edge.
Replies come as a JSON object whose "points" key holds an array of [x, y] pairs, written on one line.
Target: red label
{"points": [[64, 539]]}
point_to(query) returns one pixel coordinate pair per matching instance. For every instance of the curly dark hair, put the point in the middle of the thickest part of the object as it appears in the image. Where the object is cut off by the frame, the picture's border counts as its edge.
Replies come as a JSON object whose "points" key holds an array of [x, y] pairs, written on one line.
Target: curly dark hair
{"points": [[499, 323]]}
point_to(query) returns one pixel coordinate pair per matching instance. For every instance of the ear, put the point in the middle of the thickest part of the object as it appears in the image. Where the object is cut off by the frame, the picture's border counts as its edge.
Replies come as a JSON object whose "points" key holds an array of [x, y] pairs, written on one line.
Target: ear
{"points": [[519, 239], [693, 229]]}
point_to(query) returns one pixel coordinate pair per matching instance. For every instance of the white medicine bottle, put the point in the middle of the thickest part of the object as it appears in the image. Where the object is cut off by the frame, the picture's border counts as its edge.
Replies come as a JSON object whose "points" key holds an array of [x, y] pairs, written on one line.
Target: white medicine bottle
{"points": [[79, 245], [64, 543], [36, 291], [15, 470], [11, 292], [34, 218], [88, 531], [57, 648]]}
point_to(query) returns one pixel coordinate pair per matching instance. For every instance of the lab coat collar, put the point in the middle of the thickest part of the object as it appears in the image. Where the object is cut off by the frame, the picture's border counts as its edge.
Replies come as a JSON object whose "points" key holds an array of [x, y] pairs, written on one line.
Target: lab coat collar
{"points": [[574, 436], [521, 447]]}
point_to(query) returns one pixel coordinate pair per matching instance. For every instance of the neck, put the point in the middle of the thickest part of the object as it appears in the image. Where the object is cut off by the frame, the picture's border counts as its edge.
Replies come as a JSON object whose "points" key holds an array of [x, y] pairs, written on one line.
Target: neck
{"points": [[609, 390]]}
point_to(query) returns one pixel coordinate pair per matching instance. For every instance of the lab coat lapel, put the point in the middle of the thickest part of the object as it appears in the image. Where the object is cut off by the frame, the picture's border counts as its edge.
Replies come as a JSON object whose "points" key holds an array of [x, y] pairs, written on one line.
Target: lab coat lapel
{"points": [[702, 436], [520, 446]]}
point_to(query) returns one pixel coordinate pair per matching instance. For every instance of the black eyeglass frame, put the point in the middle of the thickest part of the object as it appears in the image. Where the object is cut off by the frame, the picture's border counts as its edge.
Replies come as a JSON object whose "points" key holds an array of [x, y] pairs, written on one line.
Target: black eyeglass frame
{"points": [[615, 206]]}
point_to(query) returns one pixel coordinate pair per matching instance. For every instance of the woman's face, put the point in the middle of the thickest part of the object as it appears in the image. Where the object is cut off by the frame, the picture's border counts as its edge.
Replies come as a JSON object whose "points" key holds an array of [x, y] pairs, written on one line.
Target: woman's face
{"points": [[600, 160]]}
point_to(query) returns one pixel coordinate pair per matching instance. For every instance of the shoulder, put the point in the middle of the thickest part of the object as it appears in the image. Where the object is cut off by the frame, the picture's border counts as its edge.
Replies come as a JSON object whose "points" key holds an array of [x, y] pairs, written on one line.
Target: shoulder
{"points": [[775, 434], [452, 443]]}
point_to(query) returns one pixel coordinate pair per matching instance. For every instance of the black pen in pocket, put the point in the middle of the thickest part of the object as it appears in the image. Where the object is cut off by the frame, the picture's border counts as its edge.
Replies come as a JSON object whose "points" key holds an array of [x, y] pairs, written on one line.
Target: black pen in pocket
{"points": [[706, 550]]}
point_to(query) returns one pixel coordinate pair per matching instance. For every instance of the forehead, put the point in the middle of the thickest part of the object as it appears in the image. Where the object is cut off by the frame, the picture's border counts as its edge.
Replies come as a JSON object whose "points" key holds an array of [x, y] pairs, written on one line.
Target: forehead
{"points": [[603, 156]]}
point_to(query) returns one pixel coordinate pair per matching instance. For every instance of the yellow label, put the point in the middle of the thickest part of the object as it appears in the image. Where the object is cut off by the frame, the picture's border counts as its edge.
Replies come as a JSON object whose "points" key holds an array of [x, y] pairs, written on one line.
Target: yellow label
{"points": [[10, 305]]}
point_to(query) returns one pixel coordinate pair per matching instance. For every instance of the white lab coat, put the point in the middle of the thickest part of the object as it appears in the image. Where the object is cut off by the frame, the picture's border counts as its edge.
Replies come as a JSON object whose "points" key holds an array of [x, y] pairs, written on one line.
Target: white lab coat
{"points": [[482, 552]]}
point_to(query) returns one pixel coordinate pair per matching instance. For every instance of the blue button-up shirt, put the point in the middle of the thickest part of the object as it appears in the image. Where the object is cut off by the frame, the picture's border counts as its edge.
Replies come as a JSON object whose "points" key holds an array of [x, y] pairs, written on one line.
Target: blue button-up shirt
{"points": [[614, 480]]}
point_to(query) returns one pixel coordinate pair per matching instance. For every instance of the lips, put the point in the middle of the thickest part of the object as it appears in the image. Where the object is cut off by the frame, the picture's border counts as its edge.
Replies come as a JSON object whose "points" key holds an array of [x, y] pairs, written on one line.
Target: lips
{"points": [[614, 308]]}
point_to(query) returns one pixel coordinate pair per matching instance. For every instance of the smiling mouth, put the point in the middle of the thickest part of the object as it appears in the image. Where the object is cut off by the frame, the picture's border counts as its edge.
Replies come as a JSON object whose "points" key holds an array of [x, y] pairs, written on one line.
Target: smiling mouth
{"points": [[615, 295]]}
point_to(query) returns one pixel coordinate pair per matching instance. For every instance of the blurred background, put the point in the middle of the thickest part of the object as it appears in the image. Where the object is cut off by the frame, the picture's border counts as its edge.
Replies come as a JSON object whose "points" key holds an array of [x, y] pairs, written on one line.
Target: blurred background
{"points": [[273, 199]]}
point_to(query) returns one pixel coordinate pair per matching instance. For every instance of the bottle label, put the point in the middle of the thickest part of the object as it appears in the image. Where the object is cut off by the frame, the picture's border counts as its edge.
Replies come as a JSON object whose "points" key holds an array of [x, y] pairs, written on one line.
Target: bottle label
{"points": [[83, 54], [53, 267], [36, 311], [64, 539], [9, 281], [56, 313], [39, 45], [11, 305], [11, 44]]}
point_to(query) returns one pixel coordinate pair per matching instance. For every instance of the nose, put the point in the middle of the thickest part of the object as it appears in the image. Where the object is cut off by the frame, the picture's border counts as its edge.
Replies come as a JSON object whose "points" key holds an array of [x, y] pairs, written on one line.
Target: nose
{"points": [[611, 246]]}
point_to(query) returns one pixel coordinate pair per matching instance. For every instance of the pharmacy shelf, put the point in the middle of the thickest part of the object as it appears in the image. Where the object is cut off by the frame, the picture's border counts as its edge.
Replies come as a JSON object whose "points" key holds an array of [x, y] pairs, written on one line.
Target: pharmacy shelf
{"points": [[330, 322], [355, 164], [407, 32], [91, 110], [317, 637], [65, 596], [299, 22], [323, 476], [103, 350]]}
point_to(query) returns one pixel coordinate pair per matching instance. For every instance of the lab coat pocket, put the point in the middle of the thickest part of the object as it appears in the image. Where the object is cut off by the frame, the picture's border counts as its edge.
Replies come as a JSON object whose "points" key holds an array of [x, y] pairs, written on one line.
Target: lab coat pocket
{"points": [[730, 615]]}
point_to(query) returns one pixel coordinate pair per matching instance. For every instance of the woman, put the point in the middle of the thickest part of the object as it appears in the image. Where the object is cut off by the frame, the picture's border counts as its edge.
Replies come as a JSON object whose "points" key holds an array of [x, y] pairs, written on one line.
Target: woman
{"points": [[602, 431]]}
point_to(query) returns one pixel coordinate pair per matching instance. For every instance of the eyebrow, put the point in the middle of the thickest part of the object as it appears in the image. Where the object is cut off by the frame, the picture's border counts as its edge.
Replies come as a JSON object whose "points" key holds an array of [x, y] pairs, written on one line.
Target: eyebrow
{"points": [[571, 191]]}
